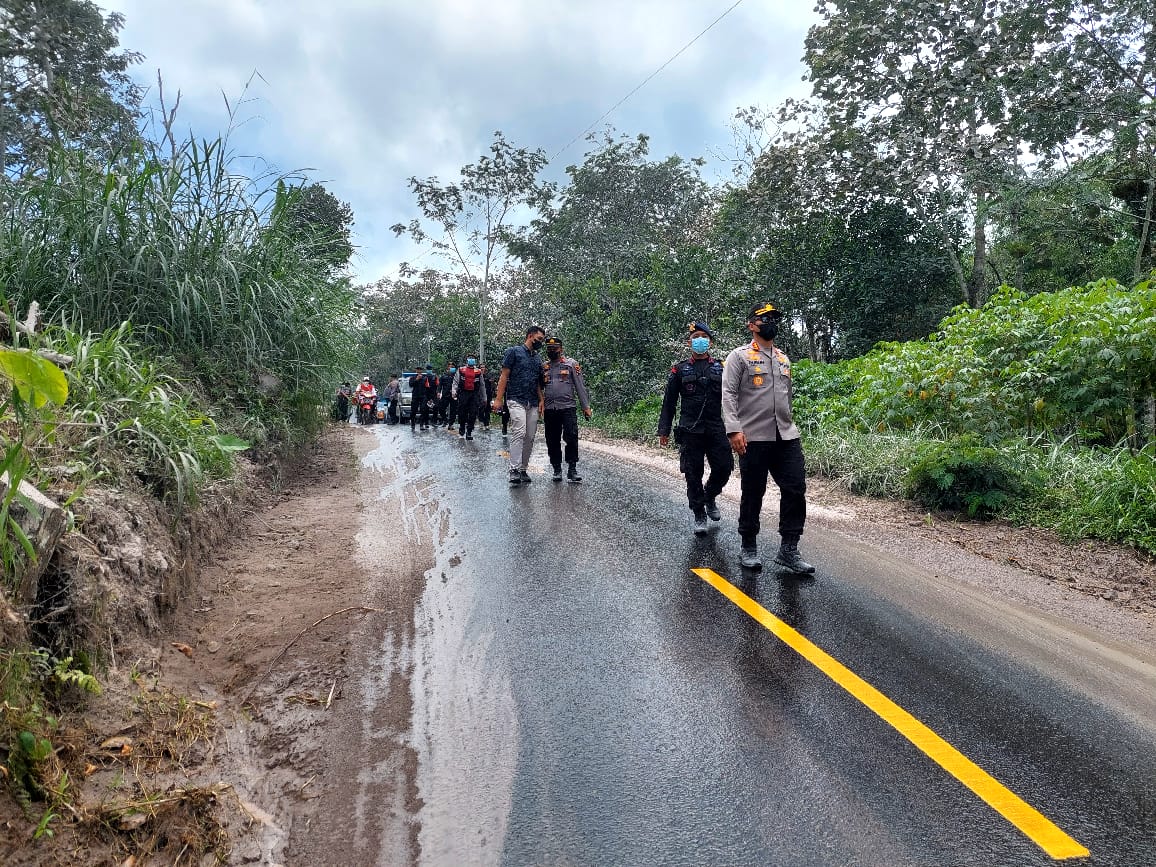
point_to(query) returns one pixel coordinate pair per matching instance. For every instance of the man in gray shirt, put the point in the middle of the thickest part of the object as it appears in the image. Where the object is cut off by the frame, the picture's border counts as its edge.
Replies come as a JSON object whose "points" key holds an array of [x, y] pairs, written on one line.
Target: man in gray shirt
{"points": [[564, 388], [756, 408]]}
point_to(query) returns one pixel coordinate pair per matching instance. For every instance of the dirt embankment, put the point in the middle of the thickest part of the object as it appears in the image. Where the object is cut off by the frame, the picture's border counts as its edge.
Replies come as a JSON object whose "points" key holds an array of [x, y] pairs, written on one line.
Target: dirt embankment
{"points": [[233, 727]]}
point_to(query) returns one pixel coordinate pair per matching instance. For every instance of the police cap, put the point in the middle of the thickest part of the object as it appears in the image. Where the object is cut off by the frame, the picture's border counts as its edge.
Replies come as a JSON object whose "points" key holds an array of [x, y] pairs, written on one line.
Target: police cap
{"points": [[764, 308], [553, 341], [699, 325]]}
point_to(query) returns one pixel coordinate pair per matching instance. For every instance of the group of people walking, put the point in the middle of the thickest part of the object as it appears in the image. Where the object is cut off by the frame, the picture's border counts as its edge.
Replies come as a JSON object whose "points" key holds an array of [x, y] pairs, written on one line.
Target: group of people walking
{"points": [[737, 406], [459, 396], [742, 405]]}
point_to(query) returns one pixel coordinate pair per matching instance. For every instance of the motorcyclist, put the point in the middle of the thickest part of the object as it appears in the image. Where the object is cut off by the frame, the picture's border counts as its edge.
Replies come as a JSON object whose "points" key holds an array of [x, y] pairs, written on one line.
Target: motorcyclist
{"points": [[364, 394]]}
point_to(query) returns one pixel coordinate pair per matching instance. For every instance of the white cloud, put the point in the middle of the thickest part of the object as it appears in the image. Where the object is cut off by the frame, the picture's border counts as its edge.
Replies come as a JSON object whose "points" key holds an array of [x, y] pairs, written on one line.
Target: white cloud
{"points": [[368, 93]]}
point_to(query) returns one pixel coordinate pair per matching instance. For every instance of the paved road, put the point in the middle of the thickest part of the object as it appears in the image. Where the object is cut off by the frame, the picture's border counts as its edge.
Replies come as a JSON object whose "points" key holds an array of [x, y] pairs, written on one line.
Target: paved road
{"points": [[582, 697]]}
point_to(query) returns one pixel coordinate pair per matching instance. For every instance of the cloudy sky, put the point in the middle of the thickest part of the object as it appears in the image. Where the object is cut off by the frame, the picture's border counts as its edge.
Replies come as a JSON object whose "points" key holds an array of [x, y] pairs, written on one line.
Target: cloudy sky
{"points": [[366, 93]]}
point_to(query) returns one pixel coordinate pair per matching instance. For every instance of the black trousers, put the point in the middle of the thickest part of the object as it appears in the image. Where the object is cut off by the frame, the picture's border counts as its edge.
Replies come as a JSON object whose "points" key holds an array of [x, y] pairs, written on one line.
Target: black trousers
{"points": [[467, 406], [447, 411], [695, 450], [561, 424], [783, 461], [419, 407]]}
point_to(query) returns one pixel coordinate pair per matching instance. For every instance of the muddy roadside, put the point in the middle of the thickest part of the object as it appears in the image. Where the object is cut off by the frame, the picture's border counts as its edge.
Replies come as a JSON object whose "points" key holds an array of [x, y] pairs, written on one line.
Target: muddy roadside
{"points": [[304, 637], [263, 715]]}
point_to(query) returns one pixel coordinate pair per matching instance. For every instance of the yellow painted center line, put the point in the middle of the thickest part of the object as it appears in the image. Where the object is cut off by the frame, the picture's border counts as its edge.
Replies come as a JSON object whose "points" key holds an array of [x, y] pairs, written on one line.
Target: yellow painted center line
{"points": [[1042, 831]]}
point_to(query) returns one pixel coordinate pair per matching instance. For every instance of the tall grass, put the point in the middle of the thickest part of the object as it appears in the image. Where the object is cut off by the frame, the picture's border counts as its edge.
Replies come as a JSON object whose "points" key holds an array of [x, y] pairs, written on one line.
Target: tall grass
{"points": [[128, 413], [203, 261]]}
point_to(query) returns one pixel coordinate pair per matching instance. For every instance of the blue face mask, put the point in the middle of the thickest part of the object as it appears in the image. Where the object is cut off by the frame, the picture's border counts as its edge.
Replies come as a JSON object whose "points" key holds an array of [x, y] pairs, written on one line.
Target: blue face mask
{"points": [[471, 361], [700, 345], [453, 370]]}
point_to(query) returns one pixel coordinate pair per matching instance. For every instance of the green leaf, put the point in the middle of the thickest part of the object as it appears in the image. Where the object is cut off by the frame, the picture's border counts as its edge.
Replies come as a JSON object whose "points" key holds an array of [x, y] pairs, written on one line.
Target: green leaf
{"points": [[36, 379], [230, 443]]}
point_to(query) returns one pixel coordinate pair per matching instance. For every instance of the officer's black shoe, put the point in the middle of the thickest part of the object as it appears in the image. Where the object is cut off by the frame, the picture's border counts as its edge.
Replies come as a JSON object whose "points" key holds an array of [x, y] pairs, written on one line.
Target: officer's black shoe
{"points": [[712, 511], [788, 557], [557, 472], [525, 477], [700, 524], [749, 557], [572, 474], [515, 478], [469, 436]]}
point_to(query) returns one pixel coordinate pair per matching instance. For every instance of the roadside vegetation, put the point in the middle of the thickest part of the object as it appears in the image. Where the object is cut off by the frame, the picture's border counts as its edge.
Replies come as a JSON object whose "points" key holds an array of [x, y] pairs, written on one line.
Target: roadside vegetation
{"points": [[959, 224], [161, 311]]}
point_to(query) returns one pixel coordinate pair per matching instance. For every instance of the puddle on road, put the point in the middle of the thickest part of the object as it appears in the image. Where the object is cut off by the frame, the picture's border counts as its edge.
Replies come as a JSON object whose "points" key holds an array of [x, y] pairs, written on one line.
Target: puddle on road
{"points": [[464, 717]]}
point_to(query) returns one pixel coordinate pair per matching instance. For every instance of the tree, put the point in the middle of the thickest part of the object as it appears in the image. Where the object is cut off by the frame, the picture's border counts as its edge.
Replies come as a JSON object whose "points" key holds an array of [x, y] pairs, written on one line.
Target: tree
{"points": [[943, 96], [1102, 83], [617, 212], [322, 223], [850, 264], [1062, 228], [61, 78], [472, 217]]}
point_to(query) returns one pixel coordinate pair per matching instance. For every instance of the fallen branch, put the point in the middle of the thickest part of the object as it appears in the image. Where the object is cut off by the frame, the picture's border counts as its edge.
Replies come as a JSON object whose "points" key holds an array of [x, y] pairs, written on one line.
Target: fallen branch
{"points": [[285, 649]]}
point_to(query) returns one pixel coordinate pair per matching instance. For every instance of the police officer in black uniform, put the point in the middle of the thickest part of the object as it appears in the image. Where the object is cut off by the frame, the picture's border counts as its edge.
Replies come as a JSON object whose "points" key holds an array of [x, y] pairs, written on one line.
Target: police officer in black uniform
{"points": [[700, 434]]}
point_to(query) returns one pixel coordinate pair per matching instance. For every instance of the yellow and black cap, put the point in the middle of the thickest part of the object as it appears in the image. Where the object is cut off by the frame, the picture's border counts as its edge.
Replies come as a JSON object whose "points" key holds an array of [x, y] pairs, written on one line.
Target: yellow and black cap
{"points": [[553, 341], [764, 309], [699, 325]]}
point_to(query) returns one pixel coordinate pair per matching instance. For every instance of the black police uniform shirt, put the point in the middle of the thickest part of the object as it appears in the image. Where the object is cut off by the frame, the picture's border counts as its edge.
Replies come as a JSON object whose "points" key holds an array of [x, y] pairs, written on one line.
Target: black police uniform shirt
{"points": [[698, 383]]}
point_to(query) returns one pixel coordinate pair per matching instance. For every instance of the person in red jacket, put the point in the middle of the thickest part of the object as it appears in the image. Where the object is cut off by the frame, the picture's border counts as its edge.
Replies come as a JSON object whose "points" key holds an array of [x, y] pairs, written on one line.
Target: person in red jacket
{"points": [[469, 390], [365, 392]]}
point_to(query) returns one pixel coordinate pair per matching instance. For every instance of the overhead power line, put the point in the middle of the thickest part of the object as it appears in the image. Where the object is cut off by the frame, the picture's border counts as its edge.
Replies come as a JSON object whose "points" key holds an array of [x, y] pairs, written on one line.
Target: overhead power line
{"points": [[669, 61]]}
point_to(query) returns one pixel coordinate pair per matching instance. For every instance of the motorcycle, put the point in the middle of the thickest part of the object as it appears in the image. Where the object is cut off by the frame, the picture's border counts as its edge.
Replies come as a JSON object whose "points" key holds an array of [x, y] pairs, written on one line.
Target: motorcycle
{"points": [[365, 413]]}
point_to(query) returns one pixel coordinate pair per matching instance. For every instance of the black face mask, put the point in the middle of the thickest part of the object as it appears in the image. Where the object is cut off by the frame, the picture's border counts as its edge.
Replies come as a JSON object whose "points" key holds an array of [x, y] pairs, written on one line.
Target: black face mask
{"points": [[768, 330], [535, 345], [554, 353]]}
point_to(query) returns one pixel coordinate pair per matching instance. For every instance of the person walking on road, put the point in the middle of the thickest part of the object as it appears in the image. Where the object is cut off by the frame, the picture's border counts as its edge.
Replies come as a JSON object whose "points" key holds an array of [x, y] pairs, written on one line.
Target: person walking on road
{"points": [[447, 403], [423, 387], [520, 391], [563, 389], [484, 406], [341, 402], [700, 433], [756, 405], [390, 395], [469, 392]]}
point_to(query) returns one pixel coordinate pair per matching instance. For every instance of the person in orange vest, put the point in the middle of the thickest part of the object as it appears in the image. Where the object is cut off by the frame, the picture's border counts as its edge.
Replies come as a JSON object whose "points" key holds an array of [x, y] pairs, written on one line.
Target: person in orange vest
{"points": [[469, 390]]}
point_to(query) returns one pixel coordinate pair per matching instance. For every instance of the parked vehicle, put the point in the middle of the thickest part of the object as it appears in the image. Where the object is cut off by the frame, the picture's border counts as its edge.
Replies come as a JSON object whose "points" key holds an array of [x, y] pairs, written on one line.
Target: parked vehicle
{"points": [[404, 396]]}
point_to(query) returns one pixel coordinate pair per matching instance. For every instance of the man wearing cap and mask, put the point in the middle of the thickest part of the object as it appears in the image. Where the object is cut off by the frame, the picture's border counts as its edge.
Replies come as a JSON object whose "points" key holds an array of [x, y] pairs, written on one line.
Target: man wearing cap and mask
{"points": [[701, 435], [563, 389], [756, 405]]}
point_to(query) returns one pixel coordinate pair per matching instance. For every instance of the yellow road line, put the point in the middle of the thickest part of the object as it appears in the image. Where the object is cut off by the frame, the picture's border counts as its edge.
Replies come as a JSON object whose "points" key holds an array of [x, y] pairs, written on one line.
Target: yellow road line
{"points": [[1042, 831]]}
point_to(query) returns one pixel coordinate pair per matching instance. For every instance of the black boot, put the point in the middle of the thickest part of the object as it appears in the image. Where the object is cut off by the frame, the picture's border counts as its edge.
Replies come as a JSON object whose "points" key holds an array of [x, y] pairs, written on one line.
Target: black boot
{"points": [[788, 557], [557, 472], [712, 511], [572, 474]]}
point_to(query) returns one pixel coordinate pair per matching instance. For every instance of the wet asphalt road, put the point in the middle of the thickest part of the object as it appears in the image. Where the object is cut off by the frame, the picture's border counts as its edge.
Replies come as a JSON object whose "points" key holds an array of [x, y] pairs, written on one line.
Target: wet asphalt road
{"points": [[583, 698]]}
